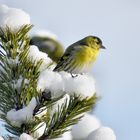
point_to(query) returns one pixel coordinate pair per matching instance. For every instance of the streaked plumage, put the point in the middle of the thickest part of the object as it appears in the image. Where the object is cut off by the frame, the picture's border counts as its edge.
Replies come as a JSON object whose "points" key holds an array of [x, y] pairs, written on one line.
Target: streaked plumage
{"points": [[79, 57]]}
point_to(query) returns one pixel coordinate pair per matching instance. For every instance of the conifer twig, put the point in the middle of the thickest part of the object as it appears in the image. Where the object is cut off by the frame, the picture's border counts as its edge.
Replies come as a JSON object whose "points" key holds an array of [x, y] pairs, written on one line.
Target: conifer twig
{"points": [[68, 114]]}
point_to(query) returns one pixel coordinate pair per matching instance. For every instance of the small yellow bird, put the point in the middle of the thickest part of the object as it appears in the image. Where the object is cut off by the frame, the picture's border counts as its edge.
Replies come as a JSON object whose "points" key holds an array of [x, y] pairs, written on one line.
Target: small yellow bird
{"points": [[79, 57]]}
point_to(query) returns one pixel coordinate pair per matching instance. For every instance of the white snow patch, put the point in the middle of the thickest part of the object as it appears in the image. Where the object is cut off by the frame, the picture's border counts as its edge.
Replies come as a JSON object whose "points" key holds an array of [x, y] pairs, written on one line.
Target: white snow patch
{"points": [[13, 18], [1, 138], [23, 115], [83, 85], [40, 131], [13, 62], [84, 127], [60, 103], [65, 136], [17, 83], [25, 136], [52, 81], [102, 133], [36, 55], [62, 82]]}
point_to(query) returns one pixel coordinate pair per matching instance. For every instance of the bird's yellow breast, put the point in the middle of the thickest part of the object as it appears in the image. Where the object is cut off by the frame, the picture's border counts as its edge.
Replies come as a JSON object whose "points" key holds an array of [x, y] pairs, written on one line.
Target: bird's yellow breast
{"points": [[87, 55]]}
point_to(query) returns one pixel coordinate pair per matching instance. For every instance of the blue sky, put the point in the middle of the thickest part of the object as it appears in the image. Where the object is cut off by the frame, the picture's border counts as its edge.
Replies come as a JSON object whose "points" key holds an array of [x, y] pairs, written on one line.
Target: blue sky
{"points": [[117, 23]]}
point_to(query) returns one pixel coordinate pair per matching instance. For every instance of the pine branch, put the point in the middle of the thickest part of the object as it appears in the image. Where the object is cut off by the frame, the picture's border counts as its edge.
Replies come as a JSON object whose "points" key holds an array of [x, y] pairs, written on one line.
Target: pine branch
{"points": [[68, 114], [15, 66], [44, 104]]}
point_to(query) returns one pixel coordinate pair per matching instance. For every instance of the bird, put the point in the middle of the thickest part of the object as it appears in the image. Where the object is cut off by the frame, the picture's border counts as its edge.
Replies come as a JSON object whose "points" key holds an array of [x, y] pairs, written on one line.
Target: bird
{"points": [[80, 56], [49, 46]]}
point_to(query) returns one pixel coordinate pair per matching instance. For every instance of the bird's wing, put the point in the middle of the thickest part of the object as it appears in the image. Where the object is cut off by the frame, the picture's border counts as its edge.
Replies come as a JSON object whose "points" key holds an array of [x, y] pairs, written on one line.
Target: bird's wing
{"points": [[63, 61], [68, 56]]}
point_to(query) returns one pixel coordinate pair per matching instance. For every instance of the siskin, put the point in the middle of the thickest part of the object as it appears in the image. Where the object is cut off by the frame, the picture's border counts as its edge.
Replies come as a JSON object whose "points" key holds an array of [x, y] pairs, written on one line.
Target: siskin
{"points": [[48, 45], [79, 57]]}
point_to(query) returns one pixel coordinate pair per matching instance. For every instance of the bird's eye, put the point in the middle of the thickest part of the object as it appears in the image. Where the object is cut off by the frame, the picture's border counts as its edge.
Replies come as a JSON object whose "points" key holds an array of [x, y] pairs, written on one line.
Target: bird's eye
{"points": [[98, 41]]}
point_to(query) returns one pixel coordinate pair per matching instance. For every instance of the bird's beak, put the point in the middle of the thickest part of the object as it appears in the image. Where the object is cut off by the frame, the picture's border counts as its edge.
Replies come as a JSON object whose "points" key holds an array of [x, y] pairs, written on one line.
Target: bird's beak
{"points": [[102, 47]]}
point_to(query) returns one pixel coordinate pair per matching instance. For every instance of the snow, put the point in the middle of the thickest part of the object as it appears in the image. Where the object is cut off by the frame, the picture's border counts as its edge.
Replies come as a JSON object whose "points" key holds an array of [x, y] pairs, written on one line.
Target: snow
{"points": [[25, 136], [1, 138], [13, 18], [45, 33], [17, 83], [36, 55], [84, 127], [40, 131], [54, 108], [23, 115], [49, 80], [2, 50], [42, 111], [65, 136], [62, 82], [13, 62], [59, 103], [102, 133], [83, 85]]}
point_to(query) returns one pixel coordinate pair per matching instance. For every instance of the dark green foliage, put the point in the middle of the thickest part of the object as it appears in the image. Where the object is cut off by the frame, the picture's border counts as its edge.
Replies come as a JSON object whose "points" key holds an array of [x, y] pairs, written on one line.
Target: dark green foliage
{"points": [[15, 66]]}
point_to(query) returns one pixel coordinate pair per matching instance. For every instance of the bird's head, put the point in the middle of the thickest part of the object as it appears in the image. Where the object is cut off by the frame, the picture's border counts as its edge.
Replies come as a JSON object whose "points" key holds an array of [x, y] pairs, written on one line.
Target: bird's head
{"points": [[93, 41]]}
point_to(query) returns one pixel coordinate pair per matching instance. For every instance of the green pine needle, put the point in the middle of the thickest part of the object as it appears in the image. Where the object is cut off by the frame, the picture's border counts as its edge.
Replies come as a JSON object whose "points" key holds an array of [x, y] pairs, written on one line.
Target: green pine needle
{"points": [[68, 114]]}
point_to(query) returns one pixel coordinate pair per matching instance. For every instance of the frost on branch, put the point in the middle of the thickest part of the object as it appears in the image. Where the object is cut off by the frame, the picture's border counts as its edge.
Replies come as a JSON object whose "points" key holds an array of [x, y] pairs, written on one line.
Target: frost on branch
{"points": [[13, 18]]}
